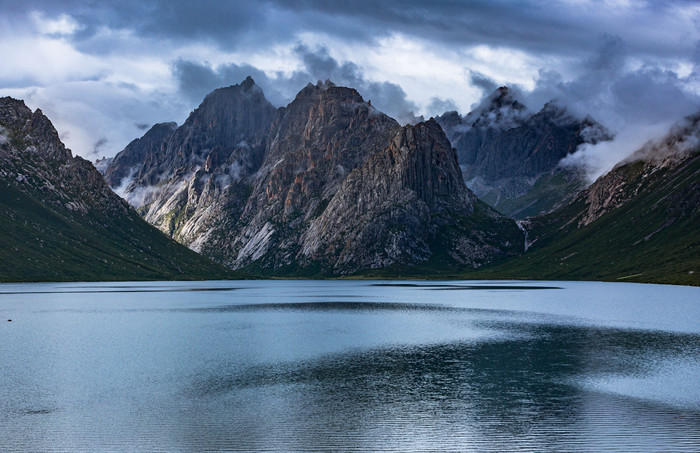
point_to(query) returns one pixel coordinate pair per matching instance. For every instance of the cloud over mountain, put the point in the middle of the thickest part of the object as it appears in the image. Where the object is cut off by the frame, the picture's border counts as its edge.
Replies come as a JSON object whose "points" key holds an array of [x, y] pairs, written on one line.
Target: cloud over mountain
{"points": [[103, 68]]}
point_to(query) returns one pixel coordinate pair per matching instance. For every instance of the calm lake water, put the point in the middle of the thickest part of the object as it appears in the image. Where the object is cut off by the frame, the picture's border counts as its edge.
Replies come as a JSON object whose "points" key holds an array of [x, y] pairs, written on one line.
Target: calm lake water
{"points": [[349, 366]]}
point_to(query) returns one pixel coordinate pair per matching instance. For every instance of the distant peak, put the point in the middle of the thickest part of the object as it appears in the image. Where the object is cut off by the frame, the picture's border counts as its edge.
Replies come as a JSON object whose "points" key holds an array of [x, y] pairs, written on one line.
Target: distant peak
{"points": [[503, 96], [503, 91], [556, 112], [162, 127], [248, 83], [499, 110], [554, 106], [325, 84], [327, 89]]}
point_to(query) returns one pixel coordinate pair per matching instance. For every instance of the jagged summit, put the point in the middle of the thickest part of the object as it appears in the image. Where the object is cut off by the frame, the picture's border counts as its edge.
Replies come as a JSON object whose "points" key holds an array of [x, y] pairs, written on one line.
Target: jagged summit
{"points": [[228, 128], [500, 110], [123, 166], [246, 86], [32, 130], [248, 83], [509, 156], [274, 191]]}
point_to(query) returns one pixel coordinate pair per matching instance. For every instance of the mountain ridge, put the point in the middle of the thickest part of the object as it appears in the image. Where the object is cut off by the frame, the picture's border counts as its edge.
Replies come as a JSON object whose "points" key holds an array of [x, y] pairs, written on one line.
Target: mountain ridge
{"points": [[510, 156], [275, 216], [60, 220], [639, 222]]}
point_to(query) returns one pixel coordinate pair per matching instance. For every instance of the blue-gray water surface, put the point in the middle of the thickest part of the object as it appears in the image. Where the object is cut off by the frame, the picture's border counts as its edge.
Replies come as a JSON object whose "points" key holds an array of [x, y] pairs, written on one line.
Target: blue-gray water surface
{"points": [[349, 366]]}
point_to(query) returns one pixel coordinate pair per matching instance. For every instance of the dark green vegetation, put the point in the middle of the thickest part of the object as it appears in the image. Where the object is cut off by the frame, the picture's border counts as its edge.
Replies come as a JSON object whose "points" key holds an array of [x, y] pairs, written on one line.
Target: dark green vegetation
{"points": [[39, 242], [652, 237]]}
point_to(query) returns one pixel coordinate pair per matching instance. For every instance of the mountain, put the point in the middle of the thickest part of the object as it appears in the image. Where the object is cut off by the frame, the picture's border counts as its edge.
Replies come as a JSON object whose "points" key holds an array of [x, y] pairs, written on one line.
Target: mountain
{"points": [[509, 157], [60, 221], [325, 186], [639, 222], [122, 168]]}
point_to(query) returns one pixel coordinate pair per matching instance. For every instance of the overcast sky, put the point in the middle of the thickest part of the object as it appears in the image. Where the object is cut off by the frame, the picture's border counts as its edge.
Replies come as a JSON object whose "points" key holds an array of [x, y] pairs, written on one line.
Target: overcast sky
{"points": [[105, 71]]}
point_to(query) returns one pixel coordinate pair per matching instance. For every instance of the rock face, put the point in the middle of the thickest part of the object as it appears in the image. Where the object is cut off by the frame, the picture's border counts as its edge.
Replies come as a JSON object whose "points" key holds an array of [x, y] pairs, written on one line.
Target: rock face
{"points": [[184, 182], [399, 204], [509, 157], [60, 220], [121, 170], [327, 185], [34, 158]]}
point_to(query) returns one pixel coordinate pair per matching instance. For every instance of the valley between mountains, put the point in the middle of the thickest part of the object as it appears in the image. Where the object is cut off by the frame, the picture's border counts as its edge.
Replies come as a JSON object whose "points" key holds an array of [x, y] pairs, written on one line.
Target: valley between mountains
{"points": [[329, 186]]}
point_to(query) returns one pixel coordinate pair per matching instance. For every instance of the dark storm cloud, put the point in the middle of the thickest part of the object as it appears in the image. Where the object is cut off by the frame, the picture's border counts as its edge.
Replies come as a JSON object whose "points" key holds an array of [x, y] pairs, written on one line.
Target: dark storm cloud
{"points": [[99, 146], [439, 106], [608, 88], [486, 84], [634, 61], [196, 80], [533, 26]]}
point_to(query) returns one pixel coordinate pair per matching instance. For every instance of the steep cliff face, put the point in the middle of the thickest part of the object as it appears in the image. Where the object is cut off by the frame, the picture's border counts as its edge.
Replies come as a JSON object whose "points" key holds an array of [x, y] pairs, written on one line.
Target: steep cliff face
{"points": [[123, 167], [59, 220], [407, 205], [331, 186], [509, 157], [183, 184], [321, 137]]}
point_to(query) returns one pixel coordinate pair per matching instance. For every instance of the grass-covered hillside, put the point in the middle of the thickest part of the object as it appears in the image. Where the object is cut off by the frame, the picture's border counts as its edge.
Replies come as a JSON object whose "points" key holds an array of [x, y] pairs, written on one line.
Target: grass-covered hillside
{"points": [[644, 227]]}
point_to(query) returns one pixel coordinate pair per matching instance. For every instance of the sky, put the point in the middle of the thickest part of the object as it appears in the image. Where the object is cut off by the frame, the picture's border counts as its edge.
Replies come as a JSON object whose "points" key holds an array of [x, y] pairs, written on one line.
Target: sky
{"points": [[105, 71]]}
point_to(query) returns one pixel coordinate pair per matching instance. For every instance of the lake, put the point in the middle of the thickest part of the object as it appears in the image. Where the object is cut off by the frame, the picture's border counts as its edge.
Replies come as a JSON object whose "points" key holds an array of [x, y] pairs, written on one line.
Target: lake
{"points": [[349, 366]]}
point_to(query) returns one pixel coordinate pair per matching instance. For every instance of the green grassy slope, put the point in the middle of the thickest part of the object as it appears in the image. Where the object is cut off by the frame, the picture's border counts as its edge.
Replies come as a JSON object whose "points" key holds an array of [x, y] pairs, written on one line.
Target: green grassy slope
{"points": [[44, 242], [654, 237]]}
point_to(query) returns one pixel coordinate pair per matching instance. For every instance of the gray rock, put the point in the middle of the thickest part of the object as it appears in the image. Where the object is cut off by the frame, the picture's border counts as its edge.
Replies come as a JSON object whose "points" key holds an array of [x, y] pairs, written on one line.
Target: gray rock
{"points": [[327, 185]]}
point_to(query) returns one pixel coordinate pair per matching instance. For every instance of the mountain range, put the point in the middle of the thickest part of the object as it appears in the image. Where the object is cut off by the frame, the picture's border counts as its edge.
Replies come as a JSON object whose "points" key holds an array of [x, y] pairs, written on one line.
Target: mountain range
{"points": [[330, 186], [325, 186]]}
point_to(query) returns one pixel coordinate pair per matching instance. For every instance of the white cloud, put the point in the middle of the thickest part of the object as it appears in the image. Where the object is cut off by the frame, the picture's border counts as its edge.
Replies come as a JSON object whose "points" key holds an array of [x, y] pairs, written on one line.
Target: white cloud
{"points": [[61, 25], [601, 158], [98, 72]]}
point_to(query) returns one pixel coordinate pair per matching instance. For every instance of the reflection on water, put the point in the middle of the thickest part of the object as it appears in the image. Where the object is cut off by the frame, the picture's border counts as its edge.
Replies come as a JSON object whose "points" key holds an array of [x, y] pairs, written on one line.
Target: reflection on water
{"points": [[495, 395], [291, 366]]}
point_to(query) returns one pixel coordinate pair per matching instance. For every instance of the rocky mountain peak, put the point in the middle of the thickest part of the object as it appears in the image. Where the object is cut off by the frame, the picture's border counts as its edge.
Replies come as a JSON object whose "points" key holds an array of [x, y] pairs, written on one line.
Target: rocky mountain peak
{"points": [[33, 158], [31, 131], [328, 180], [124, 164], [509, 157], [500, 111], [230, 107], [248, 83], [13, 112], [325, 133], [433, 172], [392, 208]]}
